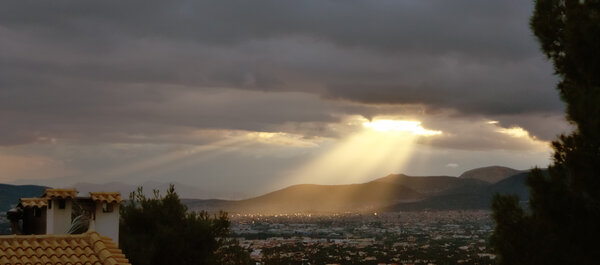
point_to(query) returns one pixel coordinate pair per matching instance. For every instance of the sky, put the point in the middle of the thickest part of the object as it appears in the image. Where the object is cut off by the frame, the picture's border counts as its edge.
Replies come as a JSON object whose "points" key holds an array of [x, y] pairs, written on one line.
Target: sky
{"points": [[238, 98]]}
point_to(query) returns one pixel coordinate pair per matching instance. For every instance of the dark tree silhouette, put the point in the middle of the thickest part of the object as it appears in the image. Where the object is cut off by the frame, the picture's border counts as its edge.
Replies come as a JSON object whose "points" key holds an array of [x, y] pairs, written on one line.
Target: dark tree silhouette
{"points": [[160, 230], [561, 225]]}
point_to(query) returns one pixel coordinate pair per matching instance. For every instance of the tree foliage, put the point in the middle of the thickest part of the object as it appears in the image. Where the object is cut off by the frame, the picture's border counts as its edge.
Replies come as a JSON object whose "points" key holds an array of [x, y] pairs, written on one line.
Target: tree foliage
{"points": [[561, 225], [160, 230]]}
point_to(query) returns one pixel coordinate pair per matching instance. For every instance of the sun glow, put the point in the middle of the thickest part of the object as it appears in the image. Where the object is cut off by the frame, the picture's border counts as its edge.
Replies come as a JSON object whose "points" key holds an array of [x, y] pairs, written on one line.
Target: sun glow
{"points": [[361, 157], [374, 149], [377, 148], [517, 132], [387, 126], [280, 138]]}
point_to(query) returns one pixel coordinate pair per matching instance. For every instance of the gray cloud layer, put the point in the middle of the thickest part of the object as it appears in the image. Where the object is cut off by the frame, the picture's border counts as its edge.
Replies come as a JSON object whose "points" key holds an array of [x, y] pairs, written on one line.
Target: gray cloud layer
{"points": [[110, 69]]}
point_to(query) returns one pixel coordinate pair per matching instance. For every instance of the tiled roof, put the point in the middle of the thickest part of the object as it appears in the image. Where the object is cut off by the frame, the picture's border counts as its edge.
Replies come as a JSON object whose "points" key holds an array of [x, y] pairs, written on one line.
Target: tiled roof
{"points": [[106, 196], [34, 202], [60, 193], [86, 248]]}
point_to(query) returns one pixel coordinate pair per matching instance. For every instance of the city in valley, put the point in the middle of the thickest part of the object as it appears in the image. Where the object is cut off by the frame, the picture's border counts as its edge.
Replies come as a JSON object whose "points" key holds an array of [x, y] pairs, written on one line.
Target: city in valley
{"points": [[425, 237], [307, 132]]}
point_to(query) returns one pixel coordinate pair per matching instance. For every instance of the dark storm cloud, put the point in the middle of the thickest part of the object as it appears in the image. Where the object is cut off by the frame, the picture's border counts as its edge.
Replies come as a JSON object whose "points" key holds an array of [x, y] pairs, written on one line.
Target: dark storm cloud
{"points": [[432, 26], [73, 68]]}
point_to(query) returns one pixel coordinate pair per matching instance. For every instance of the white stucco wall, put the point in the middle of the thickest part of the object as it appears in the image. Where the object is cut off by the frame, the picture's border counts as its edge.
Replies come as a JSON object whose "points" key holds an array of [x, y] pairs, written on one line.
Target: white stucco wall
{"points": [[58, 220], [107, 224]]}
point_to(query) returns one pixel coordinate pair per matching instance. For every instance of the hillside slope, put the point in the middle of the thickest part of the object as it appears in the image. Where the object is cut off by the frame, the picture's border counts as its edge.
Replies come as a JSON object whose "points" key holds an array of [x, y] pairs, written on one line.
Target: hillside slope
{"points": [[479, 198], [330, 198], [491, 174], [395, 192], [10, 194], [9, 197], [316, 198], [432, 185]]}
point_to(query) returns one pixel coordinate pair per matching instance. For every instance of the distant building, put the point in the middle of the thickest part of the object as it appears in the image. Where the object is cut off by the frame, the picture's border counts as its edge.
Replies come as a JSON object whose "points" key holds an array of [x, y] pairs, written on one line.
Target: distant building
{"points": [[61, 228]]}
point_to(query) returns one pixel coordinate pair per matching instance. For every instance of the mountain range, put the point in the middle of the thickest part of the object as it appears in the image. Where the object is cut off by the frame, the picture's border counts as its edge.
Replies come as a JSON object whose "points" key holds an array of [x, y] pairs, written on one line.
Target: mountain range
{"points": [[491, 174], [474, 197], [183, 190], [9, 197], [395, 192], [10, 194]]}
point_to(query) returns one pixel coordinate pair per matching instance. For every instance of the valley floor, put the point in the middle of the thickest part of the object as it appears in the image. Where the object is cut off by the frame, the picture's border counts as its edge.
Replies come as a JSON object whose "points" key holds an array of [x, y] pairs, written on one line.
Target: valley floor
{"points": [[440, 237]]}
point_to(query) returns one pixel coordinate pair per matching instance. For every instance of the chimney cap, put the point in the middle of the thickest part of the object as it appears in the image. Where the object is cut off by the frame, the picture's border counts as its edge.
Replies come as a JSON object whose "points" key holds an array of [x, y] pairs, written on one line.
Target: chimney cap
{"points": [[34, 202], [60, 193], [109, 197]]}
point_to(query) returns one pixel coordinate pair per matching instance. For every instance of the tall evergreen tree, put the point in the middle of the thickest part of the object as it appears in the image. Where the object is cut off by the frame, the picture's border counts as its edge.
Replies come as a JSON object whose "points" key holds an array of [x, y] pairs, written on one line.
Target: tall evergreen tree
{"points": [[160, 230], [562, 224]]}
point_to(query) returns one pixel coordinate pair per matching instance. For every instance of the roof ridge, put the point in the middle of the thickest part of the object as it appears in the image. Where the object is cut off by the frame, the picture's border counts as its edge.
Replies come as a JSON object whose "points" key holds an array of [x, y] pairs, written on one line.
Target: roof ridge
{"points": [[39, 202], [27, 237], [64, 249], [110, 197], [60, 193], [103, 247]]}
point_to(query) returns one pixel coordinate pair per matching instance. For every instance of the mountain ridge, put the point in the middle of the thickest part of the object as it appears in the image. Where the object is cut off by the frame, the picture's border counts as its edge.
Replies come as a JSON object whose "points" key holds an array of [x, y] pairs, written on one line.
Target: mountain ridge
{"points": [[9, 197], [391, 192], [474, 199], [429, 185], [436, 192], [491, 174], [316, 198]]}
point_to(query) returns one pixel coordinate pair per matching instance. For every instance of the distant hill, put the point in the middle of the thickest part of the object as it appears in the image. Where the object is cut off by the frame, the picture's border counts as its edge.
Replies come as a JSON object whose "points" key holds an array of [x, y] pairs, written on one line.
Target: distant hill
{"points": [[9, 197], [491, 174], [328, 198], [211, 205], [392, 192], [316, 198], [396, 192], [477, 198], [10, 194], [513, 185], [184, 191], [432, 185]]}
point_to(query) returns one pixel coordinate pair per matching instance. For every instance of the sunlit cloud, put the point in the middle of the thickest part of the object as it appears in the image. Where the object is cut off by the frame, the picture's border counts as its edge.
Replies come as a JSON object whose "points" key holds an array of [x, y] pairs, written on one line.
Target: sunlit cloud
{"points": [[521, 137], [280, 138], [413, 127], [516, 132], [452, 165]]}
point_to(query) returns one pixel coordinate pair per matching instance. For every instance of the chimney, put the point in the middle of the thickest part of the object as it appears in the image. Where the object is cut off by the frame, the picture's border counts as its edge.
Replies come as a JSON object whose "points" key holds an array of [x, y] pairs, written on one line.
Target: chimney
{"points": [[59, 209], [105, 219], [52, 213]]}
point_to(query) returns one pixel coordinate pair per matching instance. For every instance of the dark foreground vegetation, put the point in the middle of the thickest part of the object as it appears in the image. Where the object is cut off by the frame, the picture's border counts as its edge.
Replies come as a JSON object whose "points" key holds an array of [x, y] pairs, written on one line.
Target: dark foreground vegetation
{"points": [[160, 230], [561, 226]]}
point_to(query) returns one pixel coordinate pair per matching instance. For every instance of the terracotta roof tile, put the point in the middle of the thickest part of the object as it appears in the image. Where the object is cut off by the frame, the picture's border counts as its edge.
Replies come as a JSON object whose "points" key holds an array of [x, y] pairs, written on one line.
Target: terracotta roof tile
{"points": [[60, 193], [87, 248], [106, 197], [34, 202]]}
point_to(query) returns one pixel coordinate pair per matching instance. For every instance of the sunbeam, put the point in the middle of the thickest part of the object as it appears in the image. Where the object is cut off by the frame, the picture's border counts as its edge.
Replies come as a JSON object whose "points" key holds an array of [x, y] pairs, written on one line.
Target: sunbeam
{"points": [[381, 147], [177, 156]]}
